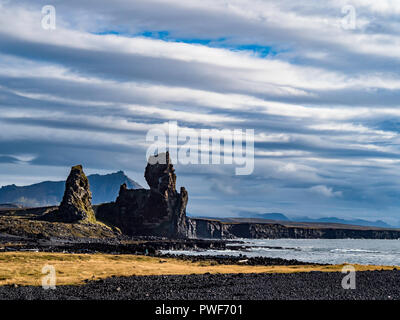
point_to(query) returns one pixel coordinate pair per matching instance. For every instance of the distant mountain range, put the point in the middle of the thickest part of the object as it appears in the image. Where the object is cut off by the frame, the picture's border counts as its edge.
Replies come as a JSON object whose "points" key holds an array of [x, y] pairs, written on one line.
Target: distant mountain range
{"points": [[104, 188], [282, 217], [7, 206]]}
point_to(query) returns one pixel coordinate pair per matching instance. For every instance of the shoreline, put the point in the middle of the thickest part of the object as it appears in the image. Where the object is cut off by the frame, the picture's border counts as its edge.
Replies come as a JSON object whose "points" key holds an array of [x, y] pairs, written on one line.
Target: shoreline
{"points": [[99, 276], [25, 268]]}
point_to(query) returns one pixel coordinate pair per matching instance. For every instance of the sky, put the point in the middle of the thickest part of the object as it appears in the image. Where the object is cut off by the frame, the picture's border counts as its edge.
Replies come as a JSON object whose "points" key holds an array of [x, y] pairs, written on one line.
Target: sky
{"points": [[322, 97]]}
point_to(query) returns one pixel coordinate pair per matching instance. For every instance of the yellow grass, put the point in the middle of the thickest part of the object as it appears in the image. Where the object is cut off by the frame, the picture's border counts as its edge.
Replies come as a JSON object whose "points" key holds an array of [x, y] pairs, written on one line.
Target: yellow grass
{"points": [[25, 268]]}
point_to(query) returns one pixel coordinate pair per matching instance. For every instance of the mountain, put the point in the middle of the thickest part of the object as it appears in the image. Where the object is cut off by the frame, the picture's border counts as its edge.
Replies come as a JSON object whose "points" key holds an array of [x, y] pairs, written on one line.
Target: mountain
{"points": [[267, 216], [282, 217], [7, 206], [104, 188], [357, 222]]}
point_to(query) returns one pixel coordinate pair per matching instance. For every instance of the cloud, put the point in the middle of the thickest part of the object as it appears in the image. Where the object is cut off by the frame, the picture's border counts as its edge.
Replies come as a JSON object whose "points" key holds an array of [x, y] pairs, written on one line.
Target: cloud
{"points": [[323, 101], [325, 191]]}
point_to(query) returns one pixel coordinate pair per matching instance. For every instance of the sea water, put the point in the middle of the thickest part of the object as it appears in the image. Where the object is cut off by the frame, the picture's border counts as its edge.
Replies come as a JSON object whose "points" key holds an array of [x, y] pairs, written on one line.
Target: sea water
{"points": [[335, 251]]}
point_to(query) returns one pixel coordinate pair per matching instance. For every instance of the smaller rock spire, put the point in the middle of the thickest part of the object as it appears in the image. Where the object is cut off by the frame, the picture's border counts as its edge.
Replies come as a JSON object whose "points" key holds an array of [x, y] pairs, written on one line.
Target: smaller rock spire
{"points": [[77, 201]]}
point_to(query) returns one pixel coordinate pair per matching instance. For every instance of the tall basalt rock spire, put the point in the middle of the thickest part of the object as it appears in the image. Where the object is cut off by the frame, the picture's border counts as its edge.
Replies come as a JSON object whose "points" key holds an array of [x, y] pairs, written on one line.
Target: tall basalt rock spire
{"points": [[161, 178], [160, 211]]}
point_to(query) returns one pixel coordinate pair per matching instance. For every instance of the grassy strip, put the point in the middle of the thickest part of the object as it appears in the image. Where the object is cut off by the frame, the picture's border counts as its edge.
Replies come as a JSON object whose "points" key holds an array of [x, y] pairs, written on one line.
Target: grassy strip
{"points": [[25, 268]]}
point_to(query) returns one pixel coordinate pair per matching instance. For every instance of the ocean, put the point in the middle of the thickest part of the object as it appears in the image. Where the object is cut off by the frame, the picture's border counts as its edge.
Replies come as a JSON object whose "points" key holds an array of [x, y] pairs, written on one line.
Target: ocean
{"points": [[335, 251]]}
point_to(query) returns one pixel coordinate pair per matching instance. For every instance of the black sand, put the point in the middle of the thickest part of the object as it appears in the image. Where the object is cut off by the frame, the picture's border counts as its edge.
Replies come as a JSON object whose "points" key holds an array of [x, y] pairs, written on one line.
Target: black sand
{"points": [[376, 285]]}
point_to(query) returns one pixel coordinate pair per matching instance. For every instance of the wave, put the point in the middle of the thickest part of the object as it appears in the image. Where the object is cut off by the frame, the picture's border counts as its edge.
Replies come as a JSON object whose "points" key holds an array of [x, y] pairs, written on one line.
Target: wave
{"points": [[273, 249], [354, 250]]}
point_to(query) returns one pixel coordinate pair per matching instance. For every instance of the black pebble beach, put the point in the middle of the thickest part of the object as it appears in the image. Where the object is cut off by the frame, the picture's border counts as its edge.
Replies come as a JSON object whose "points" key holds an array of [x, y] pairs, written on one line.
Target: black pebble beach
{"points": [[371, 285]]}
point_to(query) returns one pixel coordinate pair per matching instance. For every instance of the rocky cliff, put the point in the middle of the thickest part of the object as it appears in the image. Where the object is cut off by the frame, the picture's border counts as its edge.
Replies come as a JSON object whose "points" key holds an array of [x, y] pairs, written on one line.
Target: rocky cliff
{"points": [[214, 229], [160, 211]]}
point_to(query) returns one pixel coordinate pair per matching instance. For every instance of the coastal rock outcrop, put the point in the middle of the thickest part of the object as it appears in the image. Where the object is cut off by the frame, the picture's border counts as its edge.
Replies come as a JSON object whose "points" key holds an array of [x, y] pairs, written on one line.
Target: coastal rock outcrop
{"points": [[77, 201], [76, 205], [205, 229], [160, 211], [214, 229]]}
